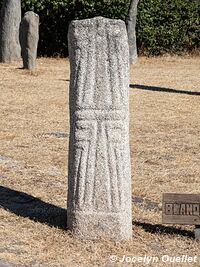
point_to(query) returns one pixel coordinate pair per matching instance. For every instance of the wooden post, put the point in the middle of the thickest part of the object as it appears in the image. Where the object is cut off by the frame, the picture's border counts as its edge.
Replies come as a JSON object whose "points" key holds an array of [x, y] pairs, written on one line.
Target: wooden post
{"points": [[197, 232]]}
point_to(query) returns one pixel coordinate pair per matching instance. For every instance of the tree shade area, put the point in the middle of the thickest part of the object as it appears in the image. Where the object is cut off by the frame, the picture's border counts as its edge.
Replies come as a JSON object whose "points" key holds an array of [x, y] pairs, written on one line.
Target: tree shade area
{"points": [[163, 26]]}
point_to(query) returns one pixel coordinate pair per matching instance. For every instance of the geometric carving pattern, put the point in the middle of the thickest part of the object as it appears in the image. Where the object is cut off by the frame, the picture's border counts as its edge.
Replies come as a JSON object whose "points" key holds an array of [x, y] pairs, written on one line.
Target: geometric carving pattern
{"points": [[99, 180]]}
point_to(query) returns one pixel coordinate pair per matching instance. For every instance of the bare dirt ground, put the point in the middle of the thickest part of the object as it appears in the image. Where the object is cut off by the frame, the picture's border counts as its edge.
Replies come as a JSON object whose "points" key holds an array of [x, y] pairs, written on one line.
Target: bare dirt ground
{"points": [[165, 153]]}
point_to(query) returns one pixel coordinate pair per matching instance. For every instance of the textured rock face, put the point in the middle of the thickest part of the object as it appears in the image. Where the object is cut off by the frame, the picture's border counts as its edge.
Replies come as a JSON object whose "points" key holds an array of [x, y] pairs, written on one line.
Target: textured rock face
{"points": [[99, 178], [29, 37], [131, 25], [10, 17]]}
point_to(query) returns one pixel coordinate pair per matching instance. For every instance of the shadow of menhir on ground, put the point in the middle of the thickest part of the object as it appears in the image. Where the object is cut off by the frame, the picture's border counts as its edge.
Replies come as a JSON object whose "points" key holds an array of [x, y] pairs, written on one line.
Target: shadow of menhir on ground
{"points": [[163, 89], [164, 230], [37, 210], [33, 208]]}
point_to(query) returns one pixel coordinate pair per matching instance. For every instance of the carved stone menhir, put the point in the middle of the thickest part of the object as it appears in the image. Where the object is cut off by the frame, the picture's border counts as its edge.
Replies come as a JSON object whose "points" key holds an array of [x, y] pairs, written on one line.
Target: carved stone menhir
{"points": [[29, 37], [131, 29], [99, 178], [10, 17]]}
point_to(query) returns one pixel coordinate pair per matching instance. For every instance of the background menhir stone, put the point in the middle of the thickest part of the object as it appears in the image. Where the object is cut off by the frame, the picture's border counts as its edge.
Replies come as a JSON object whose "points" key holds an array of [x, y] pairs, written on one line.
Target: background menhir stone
{"points": [[131, 29], [29, 37], [10, 17], [99, 177]]}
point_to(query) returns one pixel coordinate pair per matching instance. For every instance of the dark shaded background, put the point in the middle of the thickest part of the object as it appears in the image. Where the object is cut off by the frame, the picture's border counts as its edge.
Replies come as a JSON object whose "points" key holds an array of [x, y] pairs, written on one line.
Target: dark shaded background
{"points": [[163, 26]]}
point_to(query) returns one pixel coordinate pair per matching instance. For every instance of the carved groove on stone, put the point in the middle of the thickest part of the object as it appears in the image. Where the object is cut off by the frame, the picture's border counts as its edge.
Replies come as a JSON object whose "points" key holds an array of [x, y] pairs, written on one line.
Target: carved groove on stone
{"points": [[112, 135], [99, 181]]}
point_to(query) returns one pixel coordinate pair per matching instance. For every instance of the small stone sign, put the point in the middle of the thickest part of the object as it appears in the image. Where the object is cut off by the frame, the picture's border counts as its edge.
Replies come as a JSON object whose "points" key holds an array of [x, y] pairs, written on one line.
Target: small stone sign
{"points": [[181, 209]]}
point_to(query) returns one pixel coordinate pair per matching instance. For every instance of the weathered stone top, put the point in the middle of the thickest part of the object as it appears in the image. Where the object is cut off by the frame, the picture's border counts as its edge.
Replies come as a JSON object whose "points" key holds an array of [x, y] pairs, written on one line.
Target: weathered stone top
{"points": [[30, 16], [114, 26], [31, 13], [97, 20]]}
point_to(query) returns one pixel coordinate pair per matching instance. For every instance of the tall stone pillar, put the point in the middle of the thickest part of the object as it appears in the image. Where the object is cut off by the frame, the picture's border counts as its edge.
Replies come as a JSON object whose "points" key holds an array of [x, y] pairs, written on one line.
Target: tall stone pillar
{"points": [[131, 29], [10, 17], [99, 177], [29, 37]]}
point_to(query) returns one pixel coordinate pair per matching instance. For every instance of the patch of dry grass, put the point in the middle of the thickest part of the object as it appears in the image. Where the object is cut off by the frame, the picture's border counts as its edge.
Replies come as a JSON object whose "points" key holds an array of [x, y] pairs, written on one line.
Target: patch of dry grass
{"points": [[164, 137]]}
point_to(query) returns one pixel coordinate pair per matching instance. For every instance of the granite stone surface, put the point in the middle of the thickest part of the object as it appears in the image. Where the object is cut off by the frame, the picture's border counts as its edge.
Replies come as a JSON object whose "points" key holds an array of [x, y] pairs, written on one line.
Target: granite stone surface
{"points": [[29, 37], [10, 17], [99, 174]]}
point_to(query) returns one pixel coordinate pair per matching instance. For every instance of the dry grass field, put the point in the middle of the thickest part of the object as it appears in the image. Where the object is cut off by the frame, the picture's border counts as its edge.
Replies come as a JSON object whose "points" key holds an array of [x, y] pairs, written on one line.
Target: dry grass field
{"points": [[165, 153]]}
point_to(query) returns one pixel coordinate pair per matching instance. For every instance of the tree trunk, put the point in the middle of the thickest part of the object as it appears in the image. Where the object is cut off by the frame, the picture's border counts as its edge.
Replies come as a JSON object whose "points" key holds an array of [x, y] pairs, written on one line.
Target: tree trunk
{"points": [[10, 17], [131, 25]]}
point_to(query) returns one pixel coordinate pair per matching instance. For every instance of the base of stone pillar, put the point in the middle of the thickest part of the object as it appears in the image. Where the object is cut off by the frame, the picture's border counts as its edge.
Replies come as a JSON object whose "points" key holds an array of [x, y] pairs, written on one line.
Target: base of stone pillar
{"points": [[112, 226]]}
